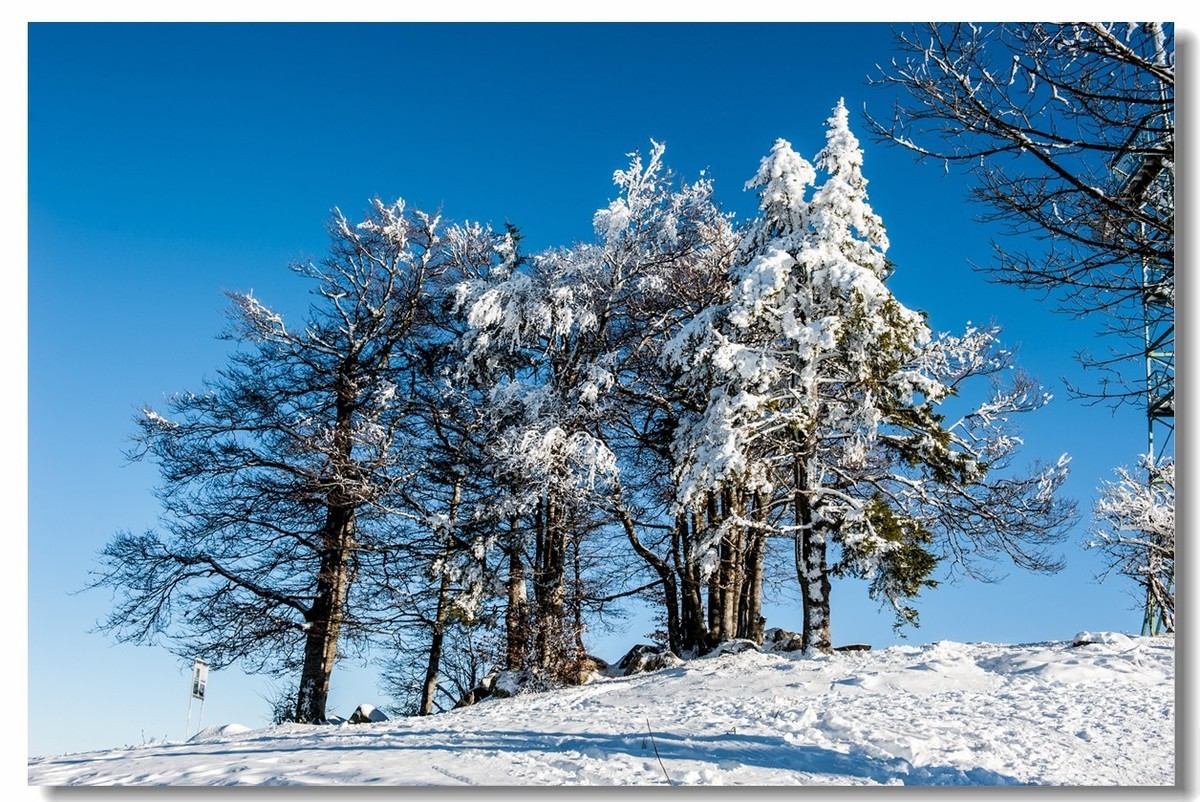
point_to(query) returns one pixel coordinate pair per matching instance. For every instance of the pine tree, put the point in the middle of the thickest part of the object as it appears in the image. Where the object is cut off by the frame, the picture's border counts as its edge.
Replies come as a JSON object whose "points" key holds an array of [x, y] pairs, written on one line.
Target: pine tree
{"points": [[826, 396]]}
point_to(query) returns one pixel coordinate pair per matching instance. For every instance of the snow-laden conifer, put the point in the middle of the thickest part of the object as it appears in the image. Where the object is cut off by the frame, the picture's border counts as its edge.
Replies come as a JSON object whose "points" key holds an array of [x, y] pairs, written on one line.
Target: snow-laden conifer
{"points": [[826, 391]]}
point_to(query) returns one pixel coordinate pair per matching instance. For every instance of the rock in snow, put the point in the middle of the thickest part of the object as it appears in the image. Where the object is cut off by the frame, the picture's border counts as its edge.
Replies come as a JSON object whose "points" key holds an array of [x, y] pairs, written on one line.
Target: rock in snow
{"points": [[364, 714]]}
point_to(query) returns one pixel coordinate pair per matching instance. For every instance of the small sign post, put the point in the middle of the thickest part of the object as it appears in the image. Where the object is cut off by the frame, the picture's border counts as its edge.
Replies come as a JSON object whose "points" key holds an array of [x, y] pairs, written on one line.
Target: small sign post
{"points": [[199, 684]]}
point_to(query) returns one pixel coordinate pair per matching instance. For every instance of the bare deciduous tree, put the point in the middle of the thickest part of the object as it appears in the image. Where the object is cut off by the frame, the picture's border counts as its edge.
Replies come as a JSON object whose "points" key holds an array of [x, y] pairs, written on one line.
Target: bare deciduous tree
{"points": [[1068, 133], [1135, 531], [280, 473]]}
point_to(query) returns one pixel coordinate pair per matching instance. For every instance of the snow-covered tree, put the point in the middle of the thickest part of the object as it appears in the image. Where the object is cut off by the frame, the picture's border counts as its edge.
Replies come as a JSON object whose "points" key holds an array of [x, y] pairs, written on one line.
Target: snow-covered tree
{"points": [[826, 397], [1135, 531], [568, 341], [462, 433], [674, 250], [282, 472], [438, 581], [530, 343]]}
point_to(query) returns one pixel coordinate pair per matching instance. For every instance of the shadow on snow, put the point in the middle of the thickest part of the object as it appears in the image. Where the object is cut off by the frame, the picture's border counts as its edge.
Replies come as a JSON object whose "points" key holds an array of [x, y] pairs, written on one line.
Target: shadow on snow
{"points": [[724, 751]]}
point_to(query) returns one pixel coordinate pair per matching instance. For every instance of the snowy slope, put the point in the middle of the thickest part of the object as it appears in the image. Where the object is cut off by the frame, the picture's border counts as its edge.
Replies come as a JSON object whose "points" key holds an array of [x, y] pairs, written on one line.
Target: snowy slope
{"points": [[943, 714]]}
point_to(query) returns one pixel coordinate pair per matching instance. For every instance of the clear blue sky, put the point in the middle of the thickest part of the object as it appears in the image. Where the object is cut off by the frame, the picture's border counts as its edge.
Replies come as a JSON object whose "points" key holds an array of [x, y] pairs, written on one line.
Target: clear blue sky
{"points": [[170, 163]]}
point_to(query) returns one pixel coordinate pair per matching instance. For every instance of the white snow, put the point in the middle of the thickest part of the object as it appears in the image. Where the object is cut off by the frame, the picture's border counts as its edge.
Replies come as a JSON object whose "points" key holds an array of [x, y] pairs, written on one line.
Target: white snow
{"points": [[1094, 710]]}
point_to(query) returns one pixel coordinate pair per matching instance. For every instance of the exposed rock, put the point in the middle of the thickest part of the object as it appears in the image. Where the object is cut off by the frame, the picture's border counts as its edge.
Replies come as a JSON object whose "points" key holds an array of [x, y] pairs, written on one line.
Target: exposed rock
{"points": [[782, 640], [365, 714], [644, 657], [485, 688], [476, 694], [586, 668], [509, 683], [1105, 638], [734, 646]]}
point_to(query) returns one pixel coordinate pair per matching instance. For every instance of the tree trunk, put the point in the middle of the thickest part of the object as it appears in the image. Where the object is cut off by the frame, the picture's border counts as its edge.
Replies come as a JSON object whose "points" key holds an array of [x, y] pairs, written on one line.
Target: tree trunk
{"points": [[812, 571], [549, 591], [325, 616], [516, 618], [577, 625], [440, 616], [670, 589], [691, 599], [328, 611], [714, 579], [437, 636], [750, 620], [815, 589], [730, 572]]}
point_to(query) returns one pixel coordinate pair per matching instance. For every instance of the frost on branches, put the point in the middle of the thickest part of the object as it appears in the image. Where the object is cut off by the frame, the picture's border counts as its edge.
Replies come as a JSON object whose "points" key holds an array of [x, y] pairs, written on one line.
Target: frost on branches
{"points": [[1067, 131], [284, 471], [467, 444], [826, 393], [1135, 531], [558, 343]]}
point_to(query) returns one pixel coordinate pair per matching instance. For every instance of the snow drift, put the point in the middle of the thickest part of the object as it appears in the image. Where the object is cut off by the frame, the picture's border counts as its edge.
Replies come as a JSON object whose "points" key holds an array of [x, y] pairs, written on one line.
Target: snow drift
{"points": [[1095, 710]]}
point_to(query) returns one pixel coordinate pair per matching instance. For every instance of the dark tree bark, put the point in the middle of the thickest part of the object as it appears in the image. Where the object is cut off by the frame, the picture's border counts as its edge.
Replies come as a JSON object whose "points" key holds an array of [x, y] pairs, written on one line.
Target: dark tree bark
{"points": [[1068, 133], [434, 659], [694, 635], [441, 614], [675, 639], [750, 618], [325, 617], [549, 589], [274, 475], [516, 619]]}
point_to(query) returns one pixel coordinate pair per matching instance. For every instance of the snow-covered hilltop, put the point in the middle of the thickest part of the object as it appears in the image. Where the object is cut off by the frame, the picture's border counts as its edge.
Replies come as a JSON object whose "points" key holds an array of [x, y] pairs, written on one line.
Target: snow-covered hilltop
{"points": [[1096, 710]]}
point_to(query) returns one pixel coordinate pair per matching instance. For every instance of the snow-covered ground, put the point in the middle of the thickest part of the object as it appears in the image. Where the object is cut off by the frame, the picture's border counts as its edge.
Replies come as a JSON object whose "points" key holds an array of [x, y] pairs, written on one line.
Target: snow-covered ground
{"points": [[1097, 714]]}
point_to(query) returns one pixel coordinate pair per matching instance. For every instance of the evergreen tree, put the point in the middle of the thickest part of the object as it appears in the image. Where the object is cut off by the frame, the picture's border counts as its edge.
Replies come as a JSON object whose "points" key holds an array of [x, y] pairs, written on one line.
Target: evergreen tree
{"points": [[828, 397]]}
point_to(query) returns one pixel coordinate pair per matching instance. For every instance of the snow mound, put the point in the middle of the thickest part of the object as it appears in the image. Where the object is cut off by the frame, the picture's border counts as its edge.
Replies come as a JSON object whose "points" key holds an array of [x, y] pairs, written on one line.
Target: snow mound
{"points": [[946, 714], [1106, 638], [940, 668], [218, 732], [1114, 658], [736, 646]]}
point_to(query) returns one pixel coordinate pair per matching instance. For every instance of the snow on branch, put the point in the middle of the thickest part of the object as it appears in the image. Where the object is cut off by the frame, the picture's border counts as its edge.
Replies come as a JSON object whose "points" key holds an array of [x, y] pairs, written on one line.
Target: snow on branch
{"points": [[1134, 530]]}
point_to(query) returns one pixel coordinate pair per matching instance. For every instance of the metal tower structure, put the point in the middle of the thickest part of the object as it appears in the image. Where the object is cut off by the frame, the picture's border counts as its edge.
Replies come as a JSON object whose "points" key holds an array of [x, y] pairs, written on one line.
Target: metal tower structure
{"points": [[1148, 181]]}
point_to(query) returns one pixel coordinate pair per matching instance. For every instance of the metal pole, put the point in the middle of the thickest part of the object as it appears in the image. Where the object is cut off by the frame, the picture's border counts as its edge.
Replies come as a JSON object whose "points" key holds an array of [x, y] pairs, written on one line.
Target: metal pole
{"points": [[188, 724]]}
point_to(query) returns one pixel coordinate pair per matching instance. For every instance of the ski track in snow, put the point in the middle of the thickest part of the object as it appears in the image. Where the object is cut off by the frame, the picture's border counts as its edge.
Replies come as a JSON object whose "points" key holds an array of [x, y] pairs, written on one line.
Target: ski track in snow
{"points": [[943, 714]]}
